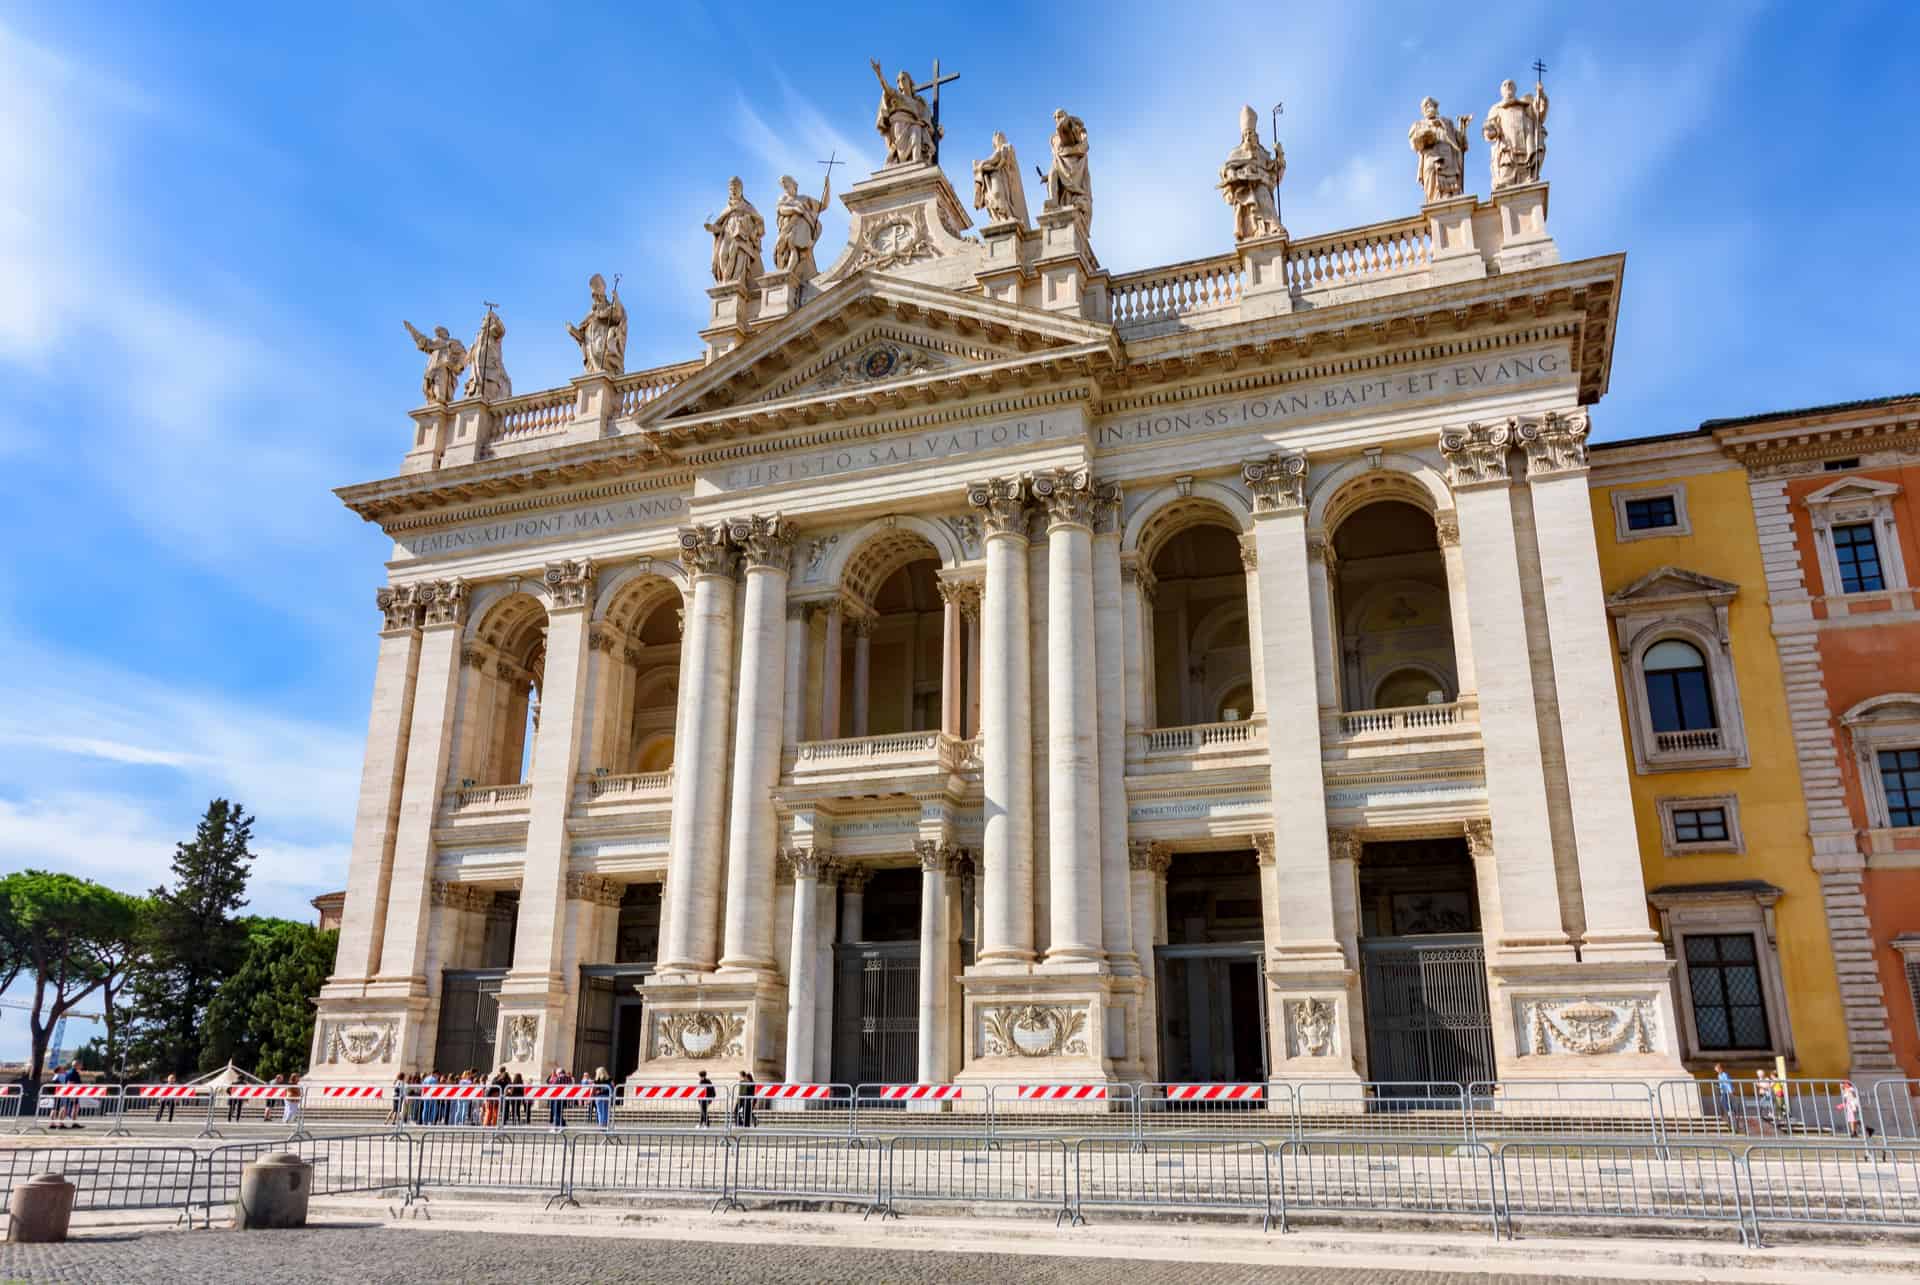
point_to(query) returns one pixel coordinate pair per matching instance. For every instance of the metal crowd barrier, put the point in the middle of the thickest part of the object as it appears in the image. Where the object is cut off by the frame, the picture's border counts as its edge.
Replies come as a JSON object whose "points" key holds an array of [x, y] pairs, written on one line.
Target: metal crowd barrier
{"points": [[655, 1163], [1386, 1108], [342, 1163], [1498, 1109], [61, 1106], [791, 1108], [163, 1104], [796, 1167], [1600, 1178], [896, 1108], [1004, 1170], [1751, 1109], [1215, 1108], [1895, 1112], [672, 1106], [530, 1161], [1173, 1173], [1381, 1175], [10, 1099], [1062, 1108], [109, 1178], [1833, 1182]]}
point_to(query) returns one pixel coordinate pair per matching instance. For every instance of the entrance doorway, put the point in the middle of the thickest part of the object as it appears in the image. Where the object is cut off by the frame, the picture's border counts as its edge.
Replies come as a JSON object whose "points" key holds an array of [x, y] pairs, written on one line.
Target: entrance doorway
{"points": [[876, 992], [1423, 965], [469, 1012], [1212, 989], [608, 1030]]}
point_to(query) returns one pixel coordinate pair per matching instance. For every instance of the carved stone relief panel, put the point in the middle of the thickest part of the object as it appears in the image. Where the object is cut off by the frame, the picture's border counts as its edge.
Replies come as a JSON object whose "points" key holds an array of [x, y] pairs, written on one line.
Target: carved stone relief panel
{"points": [[1033, 1030]]}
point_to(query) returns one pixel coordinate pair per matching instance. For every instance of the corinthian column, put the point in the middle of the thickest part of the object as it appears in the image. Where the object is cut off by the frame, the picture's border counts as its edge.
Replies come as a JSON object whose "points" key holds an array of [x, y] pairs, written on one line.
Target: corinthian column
{"points": [[936, 958], [802, 961], [862, 672], [766, 545], [1110, 673], [700, 760], [1006, 701]]}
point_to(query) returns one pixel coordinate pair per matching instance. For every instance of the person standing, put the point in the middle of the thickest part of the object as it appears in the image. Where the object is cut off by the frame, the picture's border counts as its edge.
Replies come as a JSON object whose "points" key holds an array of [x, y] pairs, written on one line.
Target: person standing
{"points": [[743, 1101], [164, 1104], [399, 1103], [517, 1099], [1763, 1090], [292, 1112], [603, 1097], [705, 1092], [64, 1108], [1850, 1108], [429, 1105], [557, 1108], [1723, 1087]]}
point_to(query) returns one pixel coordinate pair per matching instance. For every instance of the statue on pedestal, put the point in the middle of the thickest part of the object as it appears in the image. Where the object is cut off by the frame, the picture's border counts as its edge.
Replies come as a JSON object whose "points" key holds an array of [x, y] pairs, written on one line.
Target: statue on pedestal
{"points": [[602, 333], [487, 373], [1069, 186], [1249, 180], [997, 186], [905, 121], [446, 358], [737, 231], [797, 219], [1441, 145], [1517, 128]]}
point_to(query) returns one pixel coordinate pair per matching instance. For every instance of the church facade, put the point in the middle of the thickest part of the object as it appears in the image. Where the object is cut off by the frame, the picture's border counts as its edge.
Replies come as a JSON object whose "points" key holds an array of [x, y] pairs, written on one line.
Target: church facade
{"points": [[980, 665]]}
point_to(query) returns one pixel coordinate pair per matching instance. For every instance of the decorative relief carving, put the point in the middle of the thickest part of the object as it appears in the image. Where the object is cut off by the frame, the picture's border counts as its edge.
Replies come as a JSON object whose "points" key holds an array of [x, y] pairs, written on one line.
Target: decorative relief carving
{"points": [[705, 550], [964, 594], [1343, 844], [855, 876], [817, 550], [1554, 443], [1265, 850], [893, 239], [1106, 508], [1278, 482], [1034, 1030], [966, 529], [598, 889], [1588, 1027], [398, 606], [570, 582], [880, 362], [1002, 502], [1479, 838], [442, 602], [1477, 454], [359, 1042], [806, 863], [699, 1035], [765, 541], [523, 1036], [1446, 528], [460, 896], [1250, 554], [1310, 1027], [1067, 495], [935, 857]]}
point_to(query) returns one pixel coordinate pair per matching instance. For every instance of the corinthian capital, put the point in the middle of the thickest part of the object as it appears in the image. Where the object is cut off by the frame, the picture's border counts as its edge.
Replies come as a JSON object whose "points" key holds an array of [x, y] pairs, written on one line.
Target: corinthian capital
{"points": [[570, 582], [1002, 502], [1477, 454], [1554, 443], [1067, 495], [442, 602], [964, 594], [706, 551], [765, 542], [1278, 481], [399, 606]]}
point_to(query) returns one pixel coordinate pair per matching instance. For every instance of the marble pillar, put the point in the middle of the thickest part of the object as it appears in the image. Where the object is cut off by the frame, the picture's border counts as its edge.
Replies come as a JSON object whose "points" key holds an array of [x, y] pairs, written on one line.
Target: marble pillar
{"points": [[700, 764], [853, 901], [1006, 702], [1110, 667], [793, 711], [936, 959], [970, 612], [834, 614], [1073, 783], [766, 548], [1250, 564], [1446, 527], [1146, 862], [803, 961], [862, 674], [827, 895], [952, 676], [1326, 636]]}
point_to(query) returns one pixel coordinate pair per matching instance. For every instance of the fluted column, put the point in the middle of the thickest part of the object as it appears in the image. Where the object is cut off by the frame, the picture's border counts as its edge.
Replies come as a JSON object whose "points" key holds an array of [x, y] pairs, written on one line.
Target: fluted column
{"points": [[1073, 782], [826, 895], [853, 901], [803, 961], [1326, 638], [936, 959], [1250, 564], [1146, 862], [835, 613], [1006, 701], [1509, 728], [1136, 602], [766, 547], [1110, 669], [700, 762], [793, 710], [1446, 530], [970, 612], [952, 676], [862, 673]]}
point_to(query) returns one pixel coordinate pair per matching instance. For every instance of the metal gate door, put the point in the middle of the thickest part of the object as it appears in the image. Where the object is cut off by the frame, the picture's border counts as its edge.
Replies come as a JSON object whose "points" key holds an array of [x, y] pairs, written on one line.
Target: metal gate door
{"points": [[1213, 1012], [1427, 1017], [469, 1011], [876, 1013]]}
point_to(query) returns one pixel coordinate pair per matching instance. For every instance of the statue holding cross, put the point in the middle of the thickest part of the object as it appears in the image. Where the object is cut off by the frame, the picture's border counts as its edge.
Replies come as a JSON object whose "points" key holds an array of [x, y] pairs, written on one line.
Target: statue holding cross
{"points": [[1517, 129], [910, 126]]}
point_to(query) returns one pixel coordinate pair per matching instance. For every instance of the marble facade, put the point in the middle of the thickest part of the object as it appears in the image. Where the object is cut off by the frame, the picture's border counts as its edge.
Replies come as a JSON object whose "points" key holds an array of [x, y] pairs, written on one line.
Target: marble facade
{"points": [[687, 562]]}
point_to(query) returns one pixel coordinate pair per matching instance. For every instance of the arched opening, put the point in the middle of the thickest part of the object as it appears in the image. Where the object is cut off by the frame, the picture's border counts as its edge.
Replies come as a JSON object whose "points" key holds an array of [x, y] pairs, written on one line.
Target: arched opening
{"points": [[1679, 692], [637, 646], [1392, 610], [890, 649], [1202, 654], [502, 668]]}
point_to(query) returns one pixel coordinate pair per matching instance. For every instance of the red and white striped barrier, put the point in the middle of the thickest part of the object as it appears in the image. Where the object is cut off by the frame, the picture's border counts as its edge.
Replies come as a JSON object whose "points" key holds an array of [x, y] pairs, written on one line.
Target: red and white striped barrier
{"points": [[77, 1090], [1060, 1092], [644, 1092], [9, 1090], [919, 1093], [370, 1092], [775, 1091], [451, 1091], [168, 1090], [263, 1091], [1216, 1092], [565, 1092]]}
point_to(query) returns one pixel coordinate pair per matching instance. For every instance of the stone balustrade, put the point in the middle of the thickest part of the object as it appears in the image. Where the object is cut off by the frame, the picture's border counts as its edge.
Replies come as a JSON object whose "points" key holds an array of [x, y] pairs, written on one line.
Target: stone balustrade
{"points": [[1177, 290], [473, 797], [532, 414], [1691, 741], [1408, 720], [639, 388], [1376, 252], [632, 784], [1200, 739], [897, 750]]}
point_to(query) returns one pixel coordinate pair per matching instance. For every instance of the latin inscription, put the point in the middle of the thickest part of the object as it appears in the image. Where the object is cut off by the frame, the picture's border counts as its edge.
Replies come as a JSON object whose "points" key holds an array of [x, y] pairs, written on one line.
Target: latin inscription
{"points": [[541, 526], [1315, 400], [896, 452]]}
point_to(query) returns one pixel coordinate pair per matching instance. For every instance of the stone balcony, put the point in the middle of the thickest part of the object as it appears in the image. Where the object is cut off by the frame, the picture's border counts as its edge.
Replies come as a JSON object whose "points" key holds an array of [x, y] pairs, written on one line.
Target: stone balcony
{"points": [[486, 800], [1198, 748], [872, 765], [604, 794]]}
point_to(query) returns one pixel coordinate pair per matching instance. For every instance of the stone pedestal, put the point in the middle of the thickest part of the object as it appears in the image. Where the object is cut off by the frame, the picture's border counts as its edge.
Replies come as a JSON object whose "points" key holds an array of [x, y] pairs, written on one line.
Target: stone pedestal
{"points": [[1592, 1020], [781, 294], [1264, 260], [906, 222], [1071, 279], [1044, 1026], [595, 404], [735, 306], [1524, 241], [1313, 999], [274, 1193], [363, 1036], [472, 426], [1007, 269], [432, 426], [699, 1022], [1456, 247], [40, 1211]]}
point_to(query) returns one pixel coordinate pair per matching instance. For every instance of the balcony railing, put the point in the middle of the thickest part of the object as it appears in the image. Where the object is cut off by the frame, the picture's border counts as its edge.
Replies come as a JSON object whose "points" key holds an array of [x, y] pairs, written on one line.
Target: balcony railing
{"points": [[1201, 738], [1402, 721], [1690, 741], [631, 784], [481, 796], [903, 749]]}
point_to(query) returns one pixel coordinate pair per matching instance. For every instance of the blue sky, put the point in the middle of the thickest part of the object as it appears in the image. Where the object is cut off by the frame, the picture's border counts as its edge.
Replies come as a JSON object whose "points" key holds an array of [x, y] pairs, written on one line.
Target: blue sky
{"points": [[213, 218]]}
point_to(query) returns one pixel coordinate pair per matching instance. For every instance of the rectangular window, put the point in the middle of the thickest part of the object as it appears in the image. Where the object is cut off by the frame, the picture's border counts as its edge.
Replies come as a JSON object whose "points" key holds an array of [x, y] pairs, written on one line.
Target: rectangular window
{"points": [[1699, 825], [1858, 554], [1842, 466], [1654, 511], [1723, 974], [1680, 700], [1900, 781]]}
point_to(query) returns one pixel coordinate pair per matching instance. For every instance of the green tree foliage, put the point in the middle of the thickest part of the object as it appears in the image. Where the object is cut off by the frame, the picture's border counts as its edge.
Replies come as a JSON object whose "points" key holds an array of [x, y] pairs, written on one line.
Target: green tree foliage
{"points": [[73, 936], [194, 942], [262, 1019]]}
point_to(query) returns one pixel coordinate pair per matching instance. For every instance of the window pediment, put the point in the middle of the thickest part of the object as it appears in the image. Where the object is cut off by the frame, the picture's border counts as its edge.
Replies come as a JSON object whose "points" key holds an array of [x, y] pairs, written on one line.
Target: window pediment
{"points": [[1670, 586], [1853, 490]]}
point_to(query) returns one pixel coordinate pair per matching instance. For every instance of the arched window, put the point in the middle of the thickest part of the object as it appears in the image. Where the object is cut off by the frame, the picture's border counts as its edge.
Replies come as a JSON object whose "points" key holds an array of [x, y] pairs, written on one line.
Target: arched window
{"points": [[1679, 694]]}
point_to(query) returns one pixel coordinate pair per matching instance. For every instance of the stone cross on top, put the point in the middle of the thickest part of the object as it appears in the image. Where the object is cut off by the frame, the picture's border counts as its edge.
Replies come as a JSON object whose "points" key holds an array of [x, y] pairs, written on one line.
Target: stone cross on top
{"points": [[934, 85]]}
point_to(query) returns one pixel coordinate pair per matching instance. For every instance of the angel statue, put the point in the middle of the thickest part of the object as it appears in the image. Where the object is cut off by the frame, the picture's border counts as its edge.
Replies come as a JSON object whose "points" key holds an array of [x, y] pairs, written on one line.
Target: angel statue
{"points": [[797, 219], [487, 375], [446, 358], [736, 231], [1249, 179], [1441, 145], [997, 186], [602, 333], [905, 121], [1517, 128]]}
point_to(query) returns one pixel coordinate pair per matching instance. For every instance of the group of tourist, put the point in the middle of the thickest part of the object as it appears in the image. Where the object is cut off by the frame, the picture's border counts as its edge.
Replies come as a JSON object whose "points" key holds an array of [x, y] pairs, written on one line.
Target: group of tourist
{"points": [[1772, 1110], [505, 1100]]}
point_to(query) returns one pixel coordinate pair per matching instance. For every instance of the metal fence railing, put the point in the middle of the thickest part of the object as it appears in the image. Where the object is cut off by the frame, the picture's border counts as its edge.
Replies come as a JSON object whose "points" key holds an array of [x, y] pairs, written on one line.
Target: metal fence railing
{"points": [[1372, 1174], [109, 1178], [533, 1162], [1005, 1170], [784, 1167], [1833, 1182], [898, 1108], [76, 1106], [1173, 1172], [1757, 1109], [1896, 1108], [1257, 1109], [1412, 1109], [1501, 1109], [792, 1108], [692, 1162], [342, 1164], [1056, 1107], [1601, 1178]]}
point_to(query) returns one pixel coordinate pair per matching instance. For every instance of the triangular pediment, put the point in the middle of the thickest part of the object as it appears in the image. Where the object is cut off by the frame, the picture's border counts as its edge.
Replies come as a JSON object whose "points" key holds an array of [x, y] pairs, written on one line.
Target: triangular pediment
{"points": [[873, 333], [1671, 584], [1853, 489]]}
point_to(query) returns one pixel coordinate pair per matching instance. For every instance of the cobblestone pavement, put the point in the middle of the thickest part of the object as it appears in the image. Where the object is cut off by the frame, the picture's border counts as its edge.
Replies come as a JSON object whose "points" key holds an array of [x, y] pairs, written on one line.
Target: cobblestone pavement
{"points": [[376, 1255]]}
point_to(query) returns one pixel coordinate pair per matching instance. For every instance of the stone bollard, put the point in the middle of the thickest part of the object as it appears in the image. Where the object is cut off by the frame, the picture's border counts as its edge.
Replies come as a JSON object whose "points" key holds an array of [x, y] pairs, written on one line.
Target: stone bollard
{"points": [[273, 1192], [41, 1208]]}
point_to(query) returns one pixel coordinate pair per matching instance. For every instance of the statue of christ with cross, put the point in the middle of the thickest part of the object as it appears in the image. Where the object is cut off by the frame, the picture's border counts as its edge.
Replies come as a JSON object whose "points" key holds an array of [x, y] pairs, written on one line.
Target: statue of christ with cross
{"points": [[910, 126]]}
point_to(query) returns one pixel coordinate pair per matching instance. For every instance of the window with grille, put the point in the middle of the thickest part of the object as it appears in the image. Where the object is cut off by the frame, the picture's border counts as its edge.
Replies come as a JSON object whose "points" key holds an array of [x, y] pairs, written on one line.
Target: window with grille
{"points": [[1699, 825], [1900, 781], [1651, 513], [1723, 974], [1858, 555]]}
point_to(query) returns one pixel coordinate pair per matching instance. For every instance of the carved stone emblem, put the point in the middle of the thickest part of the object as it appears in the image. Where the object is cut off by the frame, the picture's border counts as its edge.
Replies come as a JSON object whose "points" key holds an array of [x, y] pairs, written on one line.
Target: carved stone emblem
{"points": [[359, 1042], [523, 1034], [1310, 1024], [699, 1034], [894, 239], [1588, 1027], [881, 361], [1034, 1030]]}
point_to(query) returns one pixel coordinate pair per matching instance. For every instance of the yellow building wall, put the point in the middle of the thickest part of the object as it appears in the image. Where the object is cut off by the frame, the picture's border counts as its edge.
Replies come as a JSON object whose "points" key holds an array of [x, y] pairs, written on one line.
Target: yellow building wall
{"points": [[1724, 543]]}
